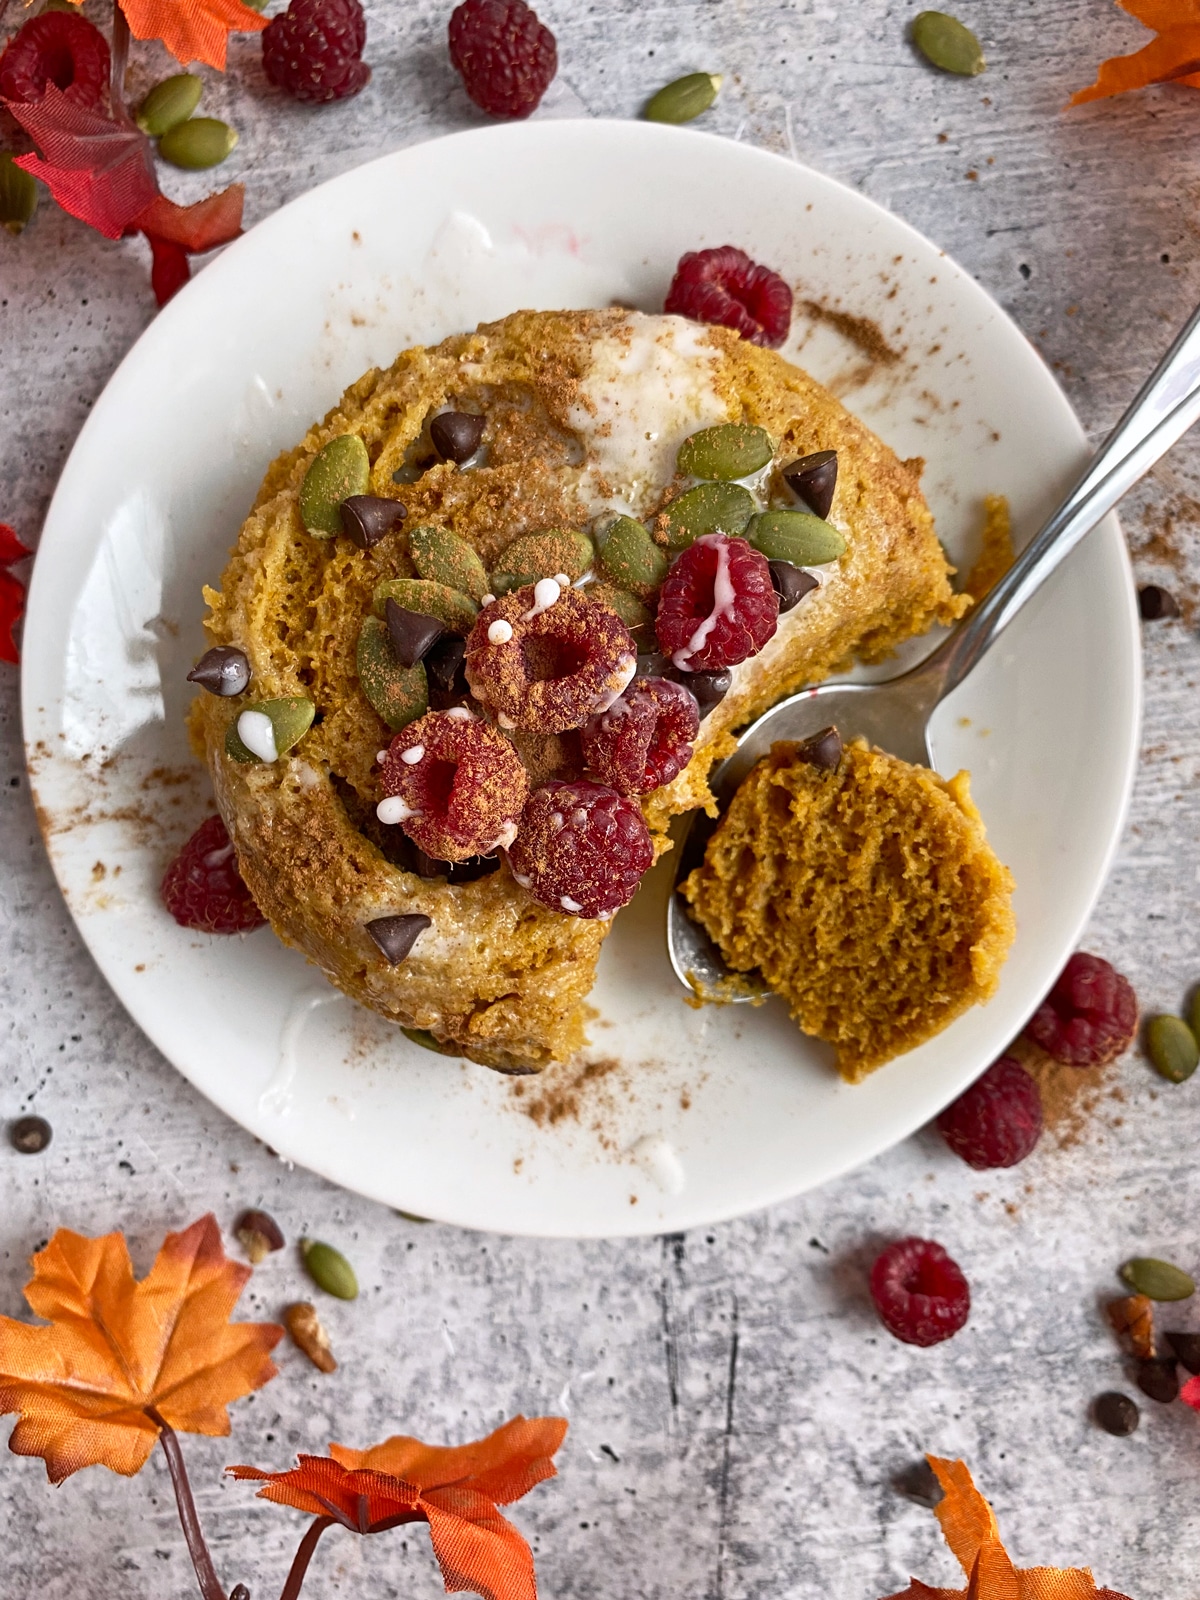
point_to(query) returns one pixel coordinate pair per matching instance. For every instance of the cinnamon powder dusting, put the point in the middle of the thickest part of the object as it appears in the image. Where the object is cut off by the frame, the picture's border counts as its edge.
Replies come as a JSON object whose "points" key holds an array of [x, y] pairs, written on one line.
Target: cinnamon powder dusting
{"points": [[567, 1093], [861, 331], [1072, 1097]]}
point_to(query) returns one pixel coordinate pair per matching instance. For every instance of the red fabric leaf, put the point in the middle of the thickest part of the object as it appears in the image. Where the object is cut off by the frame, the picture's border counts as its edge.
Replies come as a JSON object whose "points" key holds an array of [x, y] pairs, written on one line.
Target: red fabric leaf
{"points": [[97, 169], [169, 269], [11, 548], [212, 221], [12, 609]]}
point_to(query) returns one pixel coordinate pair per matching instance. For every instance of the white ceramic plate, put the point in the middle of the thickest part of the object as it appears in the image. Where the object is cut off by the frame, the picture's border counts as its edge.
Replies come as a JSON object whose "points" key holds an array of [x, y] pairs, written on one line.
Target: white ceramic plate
{"points": [[697, 1114]]}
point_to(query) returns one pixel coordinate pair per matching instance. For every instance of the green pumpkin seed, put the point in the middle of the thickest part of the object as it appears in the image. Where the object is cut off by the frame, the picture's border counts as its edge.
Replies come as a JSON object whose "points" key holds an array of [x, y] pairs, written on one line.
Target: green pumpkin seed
{"points": [[329, 1269], [795, 536], [684, 99], [429, 1041], [543, 555], [1157, 1280], [338, 470], [442, 557], [1172, 1047], [708, 508], [947, 43], [400, 694], [290, 718], [452, 608], [731, 450], [169, 103], [18, 195], [198, 143], [627, 606], [627, 554]]}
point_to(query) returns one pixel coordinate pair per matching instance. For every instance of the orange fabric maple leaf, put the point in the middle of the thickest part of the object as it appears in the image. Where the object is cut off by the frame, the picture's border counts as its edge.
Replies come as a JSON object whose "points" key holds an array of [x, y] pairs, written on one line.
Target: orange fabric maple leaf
{"points": [[1172, 57], [116, 1347], [455, 1489], [192, 30], [969, 1528]]}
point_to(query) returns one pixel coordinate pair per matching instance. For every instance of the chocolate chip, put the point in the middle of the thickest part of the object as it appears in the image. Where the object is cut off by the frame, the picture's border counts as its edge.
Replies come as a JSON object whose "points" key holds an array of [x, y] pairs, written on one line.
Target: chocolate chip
{"points": [[456, 434], [1187, 1347], [919, 1482], [823, 750], [791, 583], [1159, 1379], [223, 670], [1156, 604], [444, 667], [468, 871], [366, 518], [30, 1135], [396, 936], [654, 665], [813, 479], [710, 688], [1116, 1413], [412, 633]]}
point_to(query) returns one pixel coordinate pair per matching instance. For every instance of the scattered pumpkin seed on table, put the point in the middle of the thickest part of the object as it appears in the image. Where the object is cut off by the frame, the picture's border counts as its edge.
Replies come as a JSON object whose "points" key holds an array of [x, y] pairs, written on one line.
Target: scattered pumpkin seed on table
{"points": [[1157, 1280], [18, 195], [684, 99], [198, 143], [169, 103], [329, 1269], [948, 44], [339, 469], [1172, 1047]]}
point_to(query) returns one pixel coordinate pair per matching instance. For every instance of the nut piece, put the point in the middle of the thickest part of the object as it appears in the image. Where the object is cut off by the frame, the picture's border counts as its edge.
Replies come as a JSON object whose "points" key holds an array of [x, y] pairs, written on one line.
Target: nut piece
{"points": [[308, 1335], [1134, 1315], [258, 1234]]}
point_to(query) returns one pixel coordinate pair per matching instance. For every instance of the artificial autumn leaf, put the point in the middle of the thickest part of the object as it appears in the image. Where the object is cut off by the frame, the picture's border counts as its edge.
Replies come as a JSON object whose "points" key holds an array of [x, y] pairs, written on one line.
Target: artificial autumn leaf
{"points": [[116, 1347], [12, 592], [455, 1489], [213, 221], [192, 30], [1173, 57], [98, 170], [969, 1528]]}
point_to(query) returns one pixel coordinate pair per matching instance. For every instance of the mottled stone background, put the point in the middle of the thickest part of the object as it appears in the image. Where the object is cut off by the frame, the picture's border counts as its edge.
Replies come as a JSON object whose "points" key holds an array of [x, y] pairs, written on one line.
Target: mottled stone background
{"points": [[737, 1416]]}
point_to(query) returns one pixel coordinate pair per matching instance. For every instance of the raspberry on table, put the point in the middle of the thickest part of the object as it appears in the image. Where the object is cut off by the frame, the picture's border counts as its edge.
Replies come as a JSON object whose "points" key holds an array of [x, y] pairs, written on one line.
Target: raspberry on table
{"points": [[60, 48], [313, 50], [455, 785], [1090, 1016], [998, 1120], [726, 287], [202, 888], [581, 848], [919, 1292], [717, 605], [644, 739], [506, 57]]}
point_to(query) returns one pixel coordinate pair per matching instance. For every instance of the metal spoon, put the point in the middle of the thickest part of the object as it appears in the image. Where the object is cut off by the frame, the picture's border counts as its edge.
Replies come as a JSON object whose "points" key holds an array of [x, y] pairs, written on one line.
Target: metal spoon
{"points": [[895, 714]]}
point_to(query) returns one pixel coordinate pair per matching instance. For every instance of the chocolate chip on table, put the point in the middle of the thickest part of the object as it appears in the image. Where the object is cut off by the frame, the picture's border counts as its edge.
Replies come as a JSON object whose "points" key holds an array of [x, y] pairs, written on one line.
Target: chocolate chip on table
{"points": [[791, 583], [412, 633], [919, 1483], [1187, 1349], [366, 518], [224, 670], [813, 479], [710, 688], [456, 435], [1158, 1379], [396, 936], [30, 1135], [1116, 1413], [1156, 604], [823, 750]]}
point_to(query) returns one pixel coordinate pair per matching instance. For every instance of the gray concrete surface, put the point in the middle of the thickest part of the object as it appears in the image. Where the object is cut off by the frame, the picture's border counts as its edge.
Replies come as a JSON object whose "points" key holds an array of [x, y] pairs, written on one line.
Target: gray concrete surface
{"points": [[737, 1414]]}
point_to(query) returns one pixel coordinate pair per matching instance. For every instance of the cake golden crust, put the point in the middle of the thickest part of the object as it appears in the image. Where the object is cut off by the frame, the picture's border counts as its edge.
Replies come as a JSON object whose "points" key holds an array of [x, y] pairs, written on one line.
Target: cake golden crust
{"points": [[868, 897]]}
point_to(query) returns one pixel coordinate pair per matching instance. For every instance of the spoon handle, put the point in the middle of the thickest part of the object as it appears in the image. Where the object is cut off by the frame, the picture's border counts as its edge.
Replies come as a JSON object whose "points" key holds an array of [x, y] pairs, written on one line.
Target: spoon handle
{"points": [[1166, 407]]}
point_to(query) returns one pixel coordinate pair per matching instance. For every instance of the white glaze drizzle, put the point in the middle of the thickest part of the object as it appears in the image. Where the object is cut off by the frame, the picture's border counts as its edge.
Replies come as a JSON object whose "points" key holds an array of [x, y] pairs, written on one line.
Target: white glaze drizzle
{"points": [[412, 755], [394, 810], [257, 732], [545, 592], [499, 632]]}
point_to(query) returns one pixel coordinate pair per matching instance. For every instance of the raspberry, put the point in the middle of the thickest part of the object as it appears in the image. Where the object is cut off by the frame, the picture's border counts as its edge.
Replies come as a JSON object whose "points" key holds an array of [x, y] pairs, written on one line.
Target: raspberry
{"points": [[997, 1122], [202, 888], [544, 658], [507, 58], [644, 739], [313, 50], [454, 785], [717, 605], [57, 48], [919, 1292], [724, 286], [581, 848], [1089, 1017]]}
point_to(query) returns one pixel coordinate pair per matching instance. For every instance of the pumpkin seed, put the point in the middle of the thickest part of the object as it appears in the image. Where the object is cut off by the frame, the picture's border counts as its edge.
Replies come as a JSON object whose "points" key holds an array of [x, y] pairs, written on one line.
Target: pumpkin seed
{"points": [[708, 508], [329, 1269], [452, 608], [442, 557], [795, 536], [399, 694], [169, 103], [18, 195], [947, 43], [429, 1041], [684, 99], [287, 719], [1157, 1280], [338, 470], [198, 143], [543, 555], [730, 450], [627, 606], [1171, 1046], [627, 554]]}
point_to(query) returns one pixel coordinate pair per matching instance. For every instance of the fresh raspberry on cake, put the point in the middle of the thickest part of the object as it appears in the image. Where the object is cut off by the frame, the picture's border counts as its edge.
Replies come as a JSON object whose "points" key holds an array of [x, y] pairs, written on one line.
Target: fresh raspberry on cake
{"points": [[59, 48], [581, 848], [726, 287], [1089, 1017], [203, 889], [717, 606], [313, 50], [997, 1122], [454, 785], [506, 57], [644, 739], [919, 1292]]}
